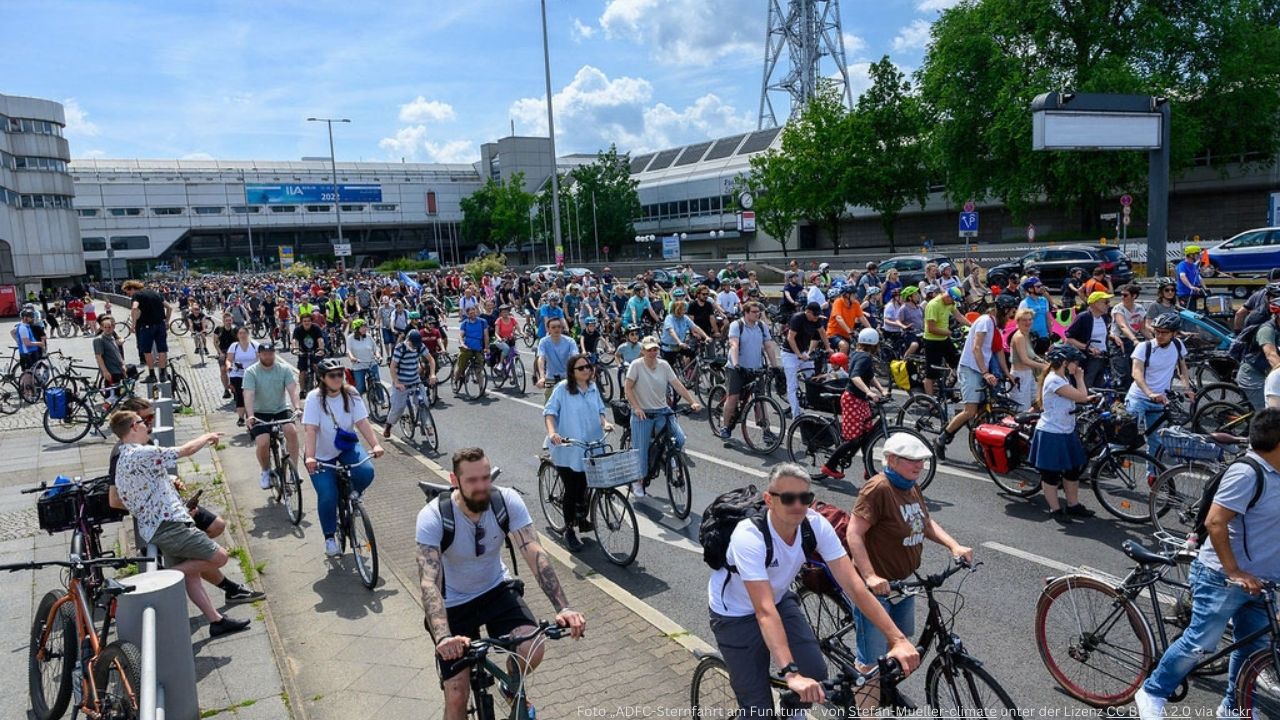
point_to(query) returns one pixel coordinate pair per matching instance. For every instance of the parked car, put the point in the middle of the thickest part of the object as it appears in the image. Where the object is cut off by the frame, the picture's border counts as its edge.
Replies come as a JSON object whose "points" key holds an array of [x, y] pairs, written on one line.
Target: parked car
{"points": [[1250, 251], [1057, 261], [911, 267]]}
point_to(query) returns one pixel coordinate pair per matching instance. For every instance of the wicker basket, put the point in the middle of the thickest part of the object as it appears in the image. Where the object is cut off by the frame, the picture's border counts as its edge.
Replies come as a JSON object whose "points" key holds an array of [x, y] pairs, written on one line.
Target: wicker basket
{"points": [[613, 469], [1182, 445]]}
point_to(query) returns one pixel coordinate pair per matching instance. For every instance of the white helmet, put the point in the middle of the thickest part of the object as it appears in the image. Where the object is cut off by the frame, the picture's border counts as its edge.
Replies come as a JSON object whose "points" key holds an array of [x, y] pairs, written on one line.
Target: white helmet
{"points": [[824, 266], [867, 336]]}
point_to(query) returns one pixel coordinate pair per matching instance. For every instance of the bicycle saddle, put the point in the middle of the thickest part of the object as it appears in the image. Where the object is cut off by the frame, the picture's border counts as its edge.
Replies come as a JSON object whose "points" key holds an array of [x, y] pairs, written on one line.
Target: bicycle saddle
{"points": [[1228, 439], [1026, 418], [1144, 556], [431, 490]]}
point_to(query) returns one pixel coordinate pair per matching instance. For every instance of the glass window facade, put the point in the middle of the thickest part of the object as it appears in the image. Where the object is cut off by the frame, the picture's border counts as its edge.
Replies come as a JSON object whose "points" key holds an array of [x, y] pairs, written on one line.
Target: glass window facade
{"points": [[283, 208], [37, 127], [207, 210], [167, 211], [87, 212], [384, 208], [244, 209], [352, 208], [319, 208], [130, 242], [55, 202], [39, 163], [125, 212], [94, 244]]}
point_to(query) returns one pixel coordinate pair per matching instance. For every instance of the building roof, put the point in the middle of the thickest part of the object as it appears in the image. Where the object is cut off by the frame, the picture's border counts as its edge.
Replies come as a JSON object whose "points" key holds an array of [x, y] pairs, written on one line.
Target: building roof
{"points": [[142, 165]]}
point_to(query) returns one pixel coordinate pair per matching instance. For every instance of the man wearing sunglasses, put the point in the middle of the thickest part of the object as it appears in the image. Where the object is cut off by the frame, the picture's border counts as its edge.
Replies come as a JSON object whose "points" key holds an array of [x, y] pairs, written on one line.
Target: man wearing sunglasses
{"points": [[755, 616]]}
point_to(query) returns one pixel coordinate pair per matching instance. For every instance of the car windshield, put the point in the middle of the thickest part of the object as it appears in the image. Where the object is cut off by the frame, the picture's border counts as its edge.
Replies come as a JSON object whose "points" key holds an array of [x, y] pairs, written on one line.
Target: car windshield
{"points": [[1114, 255], [907, 265]]}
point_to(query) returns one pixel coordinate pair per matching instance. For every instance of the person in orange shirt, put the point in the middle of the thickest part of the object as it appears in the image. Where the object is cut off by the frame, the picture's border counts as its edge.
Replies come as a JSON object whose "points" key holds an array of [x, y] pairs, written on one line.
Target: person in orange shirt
{"points": [[846, 315], [1098, 283]]}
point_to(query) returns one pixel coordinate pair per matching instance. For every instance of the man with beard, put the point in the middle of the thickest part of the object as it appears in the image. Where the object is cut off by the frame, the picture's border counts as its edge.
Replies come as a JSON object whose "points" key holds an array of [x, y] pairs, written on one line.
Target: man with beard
{"points": [[465, 584]]}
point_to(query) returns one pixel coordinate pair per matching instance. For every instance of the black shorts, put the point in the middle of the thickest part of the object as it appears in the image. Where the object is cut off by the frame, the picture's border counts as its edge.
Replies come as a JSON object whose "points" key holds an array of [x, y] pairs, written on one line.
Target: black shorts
{"points": [[735, 379], [940, 352], [28, 360], [237, 391], [500, 611], [260, 429], [203, 519]]}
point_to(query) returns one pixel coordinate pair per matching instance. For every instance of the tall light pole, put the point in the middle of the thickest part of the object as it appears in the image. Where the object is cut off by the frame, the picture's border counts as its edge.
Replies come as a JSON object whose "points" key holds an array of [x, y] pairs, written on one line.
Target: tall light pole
{"points": [[551, 131], [247, 226], [333, 166], [595, 224]]}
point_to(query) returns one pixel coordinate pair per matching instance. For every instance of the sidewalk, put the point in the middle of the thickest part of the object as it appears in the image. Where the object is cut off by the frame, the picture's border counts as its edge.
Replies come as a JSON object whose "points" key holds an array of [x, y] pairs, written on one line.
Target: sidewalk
{"points": [[355, 653], [236, 675]]}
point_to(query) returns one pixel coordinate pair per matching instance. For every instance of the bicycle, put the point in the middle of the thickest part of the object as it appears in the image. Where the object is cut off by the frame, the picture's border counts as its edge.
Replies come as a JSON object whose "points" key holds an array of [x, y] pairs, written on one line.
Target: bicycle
{"points": [[511, 368], [812, 440], [760, 415], [376, 397], [178, 385], [1174, 501], [930, 414], [668, 459], [612, 516], [1112, 668], [1119, 468], [417, 416], [285, 480], [850, 693], [470, 382], [955, 677], [354, 527], [511, 680], [81, 413]]}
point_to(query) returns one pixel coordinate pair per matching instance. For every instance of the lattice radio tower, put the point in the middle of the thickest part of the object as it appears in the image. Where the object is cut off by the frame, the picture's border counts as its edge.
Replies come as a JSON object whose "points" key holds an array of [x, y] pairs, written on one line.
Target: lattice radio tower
{"points": [[804, 32]]}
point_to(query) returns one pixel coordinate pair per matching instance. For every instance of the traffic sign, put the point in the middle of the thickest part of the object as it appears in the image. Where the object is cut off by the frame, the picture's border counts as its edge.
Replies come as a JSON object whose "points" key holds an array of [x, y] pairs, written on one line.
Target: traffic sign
{"points": [[1031, 232], [1126, 200], [969, 223], [1126, 218], [969, 206], [1126, 210], [342, 249]]}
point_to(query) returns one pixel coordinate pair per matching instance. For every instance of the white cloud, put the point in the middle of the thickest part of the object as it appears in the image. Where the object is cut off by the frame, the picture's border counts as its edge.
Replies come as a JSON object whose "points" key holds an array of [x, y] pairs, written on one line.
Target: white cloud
{"points": [[593, 111], [411, 144], [912, 37], [936, 5], [453, 151], [581, 31], [688, 32], [422, 110], [90, 154], [78, 124], [853, 46]]}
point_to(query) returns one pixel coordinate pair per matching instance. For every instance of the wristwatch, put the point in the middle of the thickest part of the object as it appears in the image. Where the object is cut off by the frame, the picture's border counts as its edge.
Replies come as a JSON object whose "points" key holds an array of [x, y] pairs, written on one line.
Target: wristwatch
{"points": [[790, 668]]}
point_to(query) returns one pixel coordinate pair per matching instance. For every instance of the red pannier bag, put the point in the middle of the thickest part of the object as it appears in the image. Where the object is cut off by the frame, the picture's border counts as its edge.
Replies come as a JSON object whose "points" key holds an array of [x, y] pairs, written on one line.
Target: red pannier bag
{"points": [[814, 577], [1000, 446]]}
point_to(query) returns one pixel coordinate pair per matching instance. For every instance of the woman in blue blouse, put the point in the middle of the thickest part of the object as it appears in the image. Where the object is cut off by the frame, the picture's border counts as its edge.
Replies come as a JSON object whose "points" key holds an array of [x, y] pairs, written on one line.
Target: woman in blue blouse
{"points": [[575, 410]]}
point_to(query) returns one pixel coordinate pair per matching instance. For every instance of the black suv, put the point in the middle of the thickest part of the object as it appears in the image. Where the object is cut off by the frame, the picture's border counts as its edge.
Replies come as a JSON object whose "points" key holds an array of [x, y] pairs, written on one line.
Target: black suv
{"points": [[910, 267], [1056, 263]]}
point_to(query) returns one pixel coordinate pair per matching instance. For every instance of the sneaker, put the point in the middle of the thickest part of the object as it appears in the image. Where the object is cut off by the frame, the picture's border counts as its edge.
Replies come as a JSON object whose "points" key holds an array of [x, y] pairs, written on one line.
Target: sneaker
{"points": [[571, 540], [240, 422], [265, 481], [226, 394], [769, 438], [829, 473], [1080, 511], [586, 526], [637, 489], [331, 547], [1224, 711], [226, 626], [940, 447], [242, 595], [725, 433], [1060, 515], [1149, 707]]}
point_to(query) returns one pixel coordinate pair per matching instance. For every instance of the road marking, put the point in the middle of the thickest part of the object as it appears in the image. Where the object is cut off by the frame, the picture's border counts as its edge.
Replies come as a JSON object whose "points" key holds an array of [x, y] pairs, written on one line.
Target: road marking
{"points": [[1069, 569]]}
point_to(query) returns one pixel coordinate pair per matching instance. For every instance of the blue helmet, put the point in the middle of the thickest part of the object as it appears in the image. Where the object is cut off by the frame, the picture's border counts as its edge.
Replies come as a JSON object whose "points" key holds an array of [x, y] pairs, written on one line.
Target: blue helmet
{"points": [[956, 294]]}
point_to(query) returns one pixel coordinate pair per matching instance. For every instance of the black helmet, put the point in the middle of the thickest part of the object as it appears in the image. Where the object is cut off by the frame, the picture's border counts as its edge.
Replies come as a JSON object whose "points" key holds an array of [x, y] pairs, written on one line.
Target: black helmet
{"points": [[329, 365], [1164, 282], [1168, 321], [1273, 290], [415, 338], [1006, 302], [1077, 271], [1064, 353]]}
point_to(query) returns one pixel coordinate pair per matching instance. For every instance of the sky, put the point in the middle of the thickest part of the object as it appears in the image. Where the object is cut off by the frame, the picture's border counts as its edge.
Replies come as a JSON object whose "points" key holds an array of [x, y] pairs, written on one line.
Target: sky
{"points": [[423, 81]]}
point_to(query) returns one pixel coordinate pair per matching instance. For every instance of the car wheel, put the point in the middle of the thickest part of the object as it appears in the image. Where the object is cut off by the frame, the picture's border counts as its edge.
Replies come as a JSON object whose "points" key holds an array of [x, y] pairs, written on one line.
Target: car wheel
{"points": [[1213, 270], [1240, 292]]}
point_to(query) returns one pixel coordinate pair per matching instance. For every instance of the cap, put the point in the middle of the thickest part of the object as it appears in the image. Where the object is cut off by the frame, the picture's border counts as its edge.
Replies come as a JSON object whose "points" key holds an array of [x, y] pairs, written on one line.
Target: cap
{"points": [[1097, 295], [649, 342], [267, 346], [813, 307], [907, 446]]}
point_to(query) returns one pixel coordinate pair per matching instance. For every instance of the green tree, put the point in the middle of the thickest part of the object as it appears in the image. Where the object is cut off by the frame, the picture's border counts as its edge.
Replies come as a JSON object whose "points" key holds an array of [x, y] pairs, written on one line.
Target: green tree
{"points": [[606, 183], [477, 213], [770, 181], [887, 147], [1218, 61], [498, 213], [813, 144]]}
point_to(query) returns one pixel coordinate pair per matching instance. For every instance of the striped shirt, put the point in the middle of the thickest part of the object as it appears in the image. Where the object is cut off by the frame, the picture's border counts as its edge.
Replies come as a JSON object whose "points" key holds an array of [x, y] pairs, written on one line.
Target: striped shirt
{"points": [[407, 361]]}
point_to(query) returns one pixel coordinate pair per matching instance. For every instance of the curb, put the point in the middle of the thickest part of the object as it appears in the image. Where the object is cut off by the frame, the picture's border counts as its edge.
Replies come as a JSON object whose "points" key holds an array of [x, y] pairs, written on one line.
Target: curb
{"points": [[663, 624]]}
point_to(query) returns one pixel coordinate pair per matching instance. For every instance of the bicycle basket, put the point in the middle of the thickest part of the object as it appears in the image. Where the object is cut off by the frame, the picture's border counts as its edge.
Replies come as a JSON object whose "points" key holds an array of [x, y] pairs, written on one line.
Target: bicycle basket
{"points": [[1183, 445], [821, 397], [613, 469], [1122, 429], [58, 511], [621, 412]]}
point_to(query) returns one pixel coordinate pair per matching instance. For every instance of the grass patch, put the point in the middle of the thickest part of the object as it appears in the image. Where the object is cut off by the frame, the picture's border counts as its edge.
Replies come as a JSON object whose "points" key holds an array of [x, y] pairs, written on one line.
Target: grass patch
{"points": [[219, 445], [127, 571], [677, 635], [317, 697], [247, 568], [229, 708], [186, 411], [217, 478]]}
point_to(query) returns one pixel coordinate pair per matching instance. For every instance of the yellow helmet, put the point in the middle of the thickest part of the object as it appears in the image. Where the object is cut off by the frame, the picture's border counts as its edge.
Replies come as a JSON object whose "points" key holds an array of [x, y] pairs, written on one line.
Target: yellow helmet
{"points": [[1191, 250]]}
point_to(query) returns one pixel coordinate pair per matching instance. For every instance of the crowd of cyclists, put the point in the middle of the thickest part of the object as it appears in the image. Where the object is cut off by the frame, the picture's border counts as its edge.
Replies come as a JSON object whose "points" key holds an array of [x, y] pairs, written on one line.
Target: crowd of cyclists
{"points": [[828, 341]]}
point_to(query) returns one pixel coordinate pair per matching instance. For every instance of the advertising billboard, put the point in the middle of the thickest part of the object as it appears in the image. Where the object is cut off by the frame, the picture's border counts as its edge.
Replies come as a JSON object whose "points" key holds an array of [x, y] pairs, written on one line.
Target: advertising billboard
{"points": [[286, 256], [286, 194]]}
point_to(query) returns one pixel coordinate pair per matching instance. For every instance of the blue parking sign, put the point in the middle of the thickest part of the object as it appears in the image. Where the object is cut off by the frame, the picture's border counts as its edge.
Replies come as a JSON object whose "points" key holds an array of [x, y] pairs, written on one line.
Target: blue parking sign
{"points": [[968, 224]]}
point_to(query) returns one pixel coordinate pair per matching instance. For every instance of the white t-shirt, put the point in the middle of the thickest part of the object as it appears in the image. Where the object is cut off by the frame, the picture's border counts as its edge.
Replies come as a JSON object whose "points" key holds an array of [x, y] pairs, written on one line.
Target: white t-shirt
{"points": [[815, 294], [746, 552], [1272, 387], [362, 350], [984, 324], [1098, 339], [242, 358], [1158, 371], [313, 414], [728, 301], [1135, 317], [1057, 417], [651, 385]]}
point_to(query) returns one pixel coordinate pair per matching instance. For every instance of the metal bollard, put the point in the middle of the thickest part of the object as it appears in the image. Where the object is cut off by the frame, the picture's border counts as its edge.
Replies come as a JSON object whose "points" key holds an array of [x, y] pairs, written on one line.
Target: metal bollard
{"points": [[164, 593]]}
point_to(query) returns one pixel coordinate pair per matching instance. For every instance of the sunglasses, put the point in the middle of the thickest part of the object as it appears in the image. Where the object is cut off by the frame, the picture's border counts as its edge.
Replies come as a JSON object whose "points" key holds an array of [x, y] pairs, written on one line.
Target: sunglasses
{"points": [[479, 540], [584, 367], [791, 498], [143, 423], [336, 374]]}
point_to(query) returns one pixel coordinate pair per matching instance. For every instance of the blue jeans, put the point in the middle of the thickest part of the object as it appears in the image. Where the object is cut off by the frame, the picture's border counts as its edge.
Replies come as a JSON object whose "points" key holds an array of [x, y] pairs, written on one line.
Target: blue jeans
{"points": [[1147, 413], [642, 431], [325, 481], [363, 376], [872, 644], [1214, 603]]}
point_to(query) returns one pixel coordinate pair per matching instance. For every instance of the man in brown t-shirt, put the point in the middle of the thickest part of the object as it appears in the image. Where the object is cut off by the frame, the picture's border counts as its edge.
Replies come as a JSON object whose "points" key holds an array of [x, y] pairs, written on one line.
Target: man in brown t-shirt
{"points": [[886, 535]]}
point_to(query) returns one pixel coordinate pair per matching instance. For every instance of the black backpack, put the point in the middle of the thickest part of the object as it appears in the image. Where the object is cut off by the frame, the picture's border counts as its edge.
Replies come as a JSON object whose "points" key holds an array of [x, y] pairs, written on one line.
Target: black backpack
{"points": [[448, 524], [721, 518], [1244, 347], [1211, 489]]}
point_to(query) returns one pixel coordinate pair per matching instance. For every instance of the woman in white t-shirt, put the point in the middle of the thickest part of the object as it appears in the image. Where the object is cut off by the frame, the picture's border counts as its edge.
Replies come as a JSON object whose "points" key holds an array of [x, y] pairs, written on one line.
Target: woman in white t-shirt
{"points": [[242, 353], [1056, 450], [334, 412]]}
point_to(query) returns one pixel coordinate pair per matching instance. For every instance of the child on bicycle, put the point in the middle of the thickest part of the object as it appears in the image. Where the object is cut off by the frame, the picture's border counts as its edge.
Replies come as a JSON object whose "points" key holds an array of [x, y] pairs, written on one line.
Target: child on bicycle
{"points": [[855, 403]]}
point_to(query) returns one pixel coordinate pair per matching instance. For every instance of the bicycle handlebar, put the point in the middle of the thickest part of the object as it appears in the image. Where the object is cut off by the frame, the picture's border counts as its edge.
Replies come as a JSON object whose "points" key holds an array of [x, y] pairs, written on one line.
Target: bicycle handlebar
{"points": [[74, 564], [344, 466], [479, 648], [838, 689], [936, 580]]}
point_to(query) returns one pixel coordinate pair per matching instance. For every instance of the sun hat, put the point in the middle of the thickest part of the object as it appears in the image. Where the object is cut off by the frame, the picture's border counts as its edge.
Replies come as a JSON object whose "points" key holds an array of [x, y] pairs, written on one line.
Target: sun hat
{"points": [[907, 446]]}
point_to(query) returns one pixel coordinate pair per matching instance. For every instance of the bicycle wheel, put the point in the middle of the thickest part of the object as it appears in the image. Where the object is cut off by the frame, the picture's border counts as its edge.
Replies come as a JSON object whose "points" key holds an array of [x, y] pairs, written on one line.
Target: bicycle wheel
{"points": [[65, 329], [73, 425], [679, 485], [1092, 640], [29, 392], [1022, 481], [427, 424], [960, 687], [51, 658], [521, 379], [178, 326], [117, 673], [762, 424], [291, 493], [1222, 417], [615, 526], [715, 409], [258, 330], [363, 545], [124, 330], [1174, 500], [551, 496], [497, 375], [605, 382], [409, 422], [530, 337], [1122, 483], [181, 390], [924, 415], [10, 397], [811, 441], [711, 694], [826, 615], [1258, 687], [378, 400], [1221, 392], [873, 454]]}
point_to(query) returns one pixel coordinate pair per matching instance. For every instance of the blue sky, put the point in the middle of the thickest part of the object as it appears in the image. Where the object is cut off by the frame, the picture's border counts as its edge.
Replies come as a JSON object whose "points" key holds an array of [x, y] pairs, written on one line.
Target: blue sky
{"points": [[423, 81]]}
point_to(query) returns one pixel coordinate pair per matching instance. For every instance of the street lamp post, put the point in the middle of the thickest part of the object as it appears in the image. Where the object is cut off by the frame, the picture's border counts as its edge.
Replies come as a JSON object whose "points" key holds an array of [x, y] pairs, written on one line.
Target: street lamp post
{"points": [[595, 224], [333, 167], [551, 131], [248, 227]]}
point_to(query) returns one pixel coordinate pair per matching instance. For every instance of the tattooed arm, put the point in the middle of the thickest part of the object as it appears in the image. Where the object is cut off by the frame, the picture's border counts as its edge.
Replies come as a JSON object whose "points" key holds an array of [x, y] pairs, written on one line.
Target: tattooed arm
{"points": [[526, 540], [431, 578]]}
